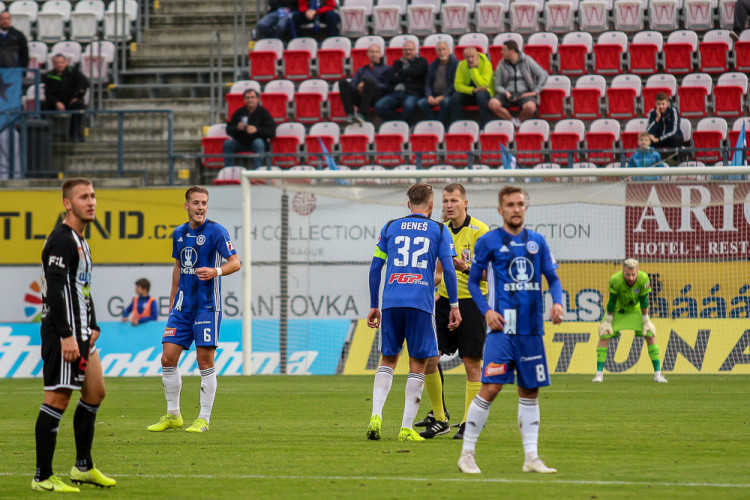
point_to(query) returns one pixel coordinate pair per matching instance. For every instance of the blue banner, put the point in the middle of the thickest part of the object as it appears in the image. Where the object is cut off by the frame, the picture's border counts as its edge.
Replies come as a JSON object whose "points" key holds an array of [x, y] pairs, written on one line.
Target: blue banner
{"points": [[314, 347], [10, 93]]}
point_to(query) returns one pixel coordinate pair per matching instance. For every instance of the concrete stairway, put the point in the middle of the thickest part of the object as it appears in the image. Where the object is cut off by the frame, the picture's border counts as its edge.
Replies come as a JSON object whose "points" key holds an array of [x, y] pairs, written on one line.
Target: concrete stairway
{"points": [[168, 70]]}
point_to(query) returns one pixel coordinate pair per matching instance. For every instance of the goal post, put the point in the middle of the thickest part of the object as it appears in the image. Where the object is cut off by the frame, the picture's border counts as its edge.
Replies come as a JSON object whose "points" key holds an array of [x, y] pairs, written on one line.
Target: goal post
{"points": [[308, 237]]}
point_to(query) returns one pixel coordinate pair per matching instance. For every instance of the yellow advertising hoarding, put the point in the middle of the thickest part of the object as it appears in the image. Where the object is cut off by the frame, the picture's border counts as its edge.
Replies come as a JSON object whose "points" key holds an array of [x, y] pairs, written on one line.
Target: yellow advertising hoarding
{"points": [[132, 226], [690, 346]]}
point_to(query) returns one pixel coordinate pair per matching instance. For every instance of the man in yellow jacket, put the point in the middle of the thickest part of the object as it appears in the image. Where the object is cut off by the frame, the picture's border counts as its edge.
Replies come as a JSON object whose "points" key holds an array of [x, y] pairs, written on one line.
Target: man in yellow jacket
{"points": [[473, 85]]}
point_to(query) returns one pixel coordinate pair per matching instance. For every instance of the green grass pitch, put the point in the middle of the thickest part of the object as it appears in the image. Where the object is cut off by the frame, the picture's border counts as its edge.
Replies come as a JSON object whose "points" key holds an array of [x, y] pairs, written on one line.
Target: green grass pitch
{"points": [[304, 437]]}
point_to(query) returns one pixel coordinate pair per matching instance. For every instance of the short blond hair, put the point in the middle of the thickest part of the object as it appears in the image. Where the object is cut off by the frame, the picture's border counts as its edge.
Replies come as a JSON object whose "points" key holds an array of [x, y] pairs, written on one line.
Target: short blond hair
{"points": [[630, 264]]}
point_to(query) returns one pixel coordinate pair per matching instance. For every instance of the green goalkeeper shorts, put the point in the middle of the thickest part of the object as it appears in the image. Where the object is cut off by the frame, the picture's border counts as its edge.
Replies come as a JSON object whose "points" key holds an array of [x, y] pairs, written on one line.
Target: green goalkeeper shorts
{"points": [[632, 320]]}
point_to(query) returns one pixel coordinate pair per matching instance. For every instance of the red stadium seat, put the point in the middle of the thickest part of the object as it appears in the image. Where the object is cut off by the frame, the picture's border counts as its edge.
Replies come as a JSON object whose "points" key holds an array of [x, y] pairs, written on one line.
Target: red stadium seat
{"points": [[390, 140], [542, 47], [275, 98], [729, 95], [462, 136], [603, 135], [710, 133], [357, 138], [623, 95], [553, 98], [336, 111], [568, 135], [299, 54], [530, 141], [327, 133], [715, 52], [573, 53], [286, 145], [309, 99], [332, 58], [263, 59], [654, 85], [608, 52], [678, 52], [734, 134], [212, 145], [426, 138], [742, 52], [643, 52], [694, 95], [629, 136], [495, 134], [588, 97]]}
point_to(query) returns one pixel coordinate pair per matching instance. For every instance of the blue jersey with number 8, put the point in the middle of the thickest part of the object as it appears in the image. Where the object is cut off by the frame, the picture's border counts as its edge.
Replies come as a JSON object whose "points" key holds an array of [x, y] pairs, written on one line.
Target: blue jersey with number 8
{"points": [[412, 245], [515, 265]]}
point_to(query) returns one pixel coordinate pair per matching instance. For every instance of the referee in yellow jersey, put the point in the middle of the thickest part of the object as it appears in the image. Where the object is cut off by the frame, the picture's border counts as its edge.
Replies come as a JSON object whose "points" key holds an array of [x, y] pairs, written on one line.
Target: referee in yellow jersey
{"points": [[468, 338]]}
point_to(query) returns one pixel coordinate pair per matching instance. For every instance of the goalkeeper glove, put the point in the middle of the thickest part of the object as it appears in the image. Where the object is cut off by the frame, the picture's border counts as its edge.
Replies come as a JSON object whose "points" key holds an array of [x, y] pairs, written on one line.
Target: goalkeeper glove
{"points": [[606, 327], [649, 329]]}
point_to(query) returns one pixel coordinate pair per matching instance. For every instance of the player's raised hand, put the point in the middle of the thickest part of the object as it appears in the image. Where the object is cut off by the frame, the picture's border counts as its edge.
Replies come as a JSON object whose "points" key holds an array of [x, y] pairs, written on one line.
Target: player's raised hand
{"points": [[495, 320], [70, 349], [454, 318], [556, 314], [373, 318]]}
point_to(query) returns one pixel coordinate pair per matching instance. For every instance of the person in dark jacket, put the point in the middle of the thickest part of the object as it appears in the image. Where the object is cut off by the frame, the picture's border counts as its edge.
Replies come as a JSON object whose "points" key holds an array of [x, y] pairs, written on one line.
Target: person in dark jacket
{"points": [[367, 86], [14, 50], [406, 85], [64, 90], [664, 124], [250, 129], [438, 87], [278, 20]]}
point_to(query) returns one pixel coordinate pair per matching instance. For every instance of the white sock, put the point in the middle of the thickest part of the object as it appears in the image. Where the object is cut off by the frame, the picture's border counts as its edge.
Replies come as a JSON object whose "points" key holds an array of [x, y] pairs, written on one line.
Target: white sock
{"points": [[380, 389], [528, 423], [414, 388], [479, 410], [208, 392], [172, 382]]}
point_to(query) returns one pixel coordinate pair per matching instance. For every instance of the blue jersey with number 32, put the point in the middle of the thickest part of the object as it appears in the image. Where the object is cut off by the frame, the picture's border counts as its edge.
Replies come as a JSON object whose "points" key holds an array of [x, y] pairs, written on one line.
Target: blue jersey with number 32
{"points": [[515, 265], [413, 244], [204, 246]]}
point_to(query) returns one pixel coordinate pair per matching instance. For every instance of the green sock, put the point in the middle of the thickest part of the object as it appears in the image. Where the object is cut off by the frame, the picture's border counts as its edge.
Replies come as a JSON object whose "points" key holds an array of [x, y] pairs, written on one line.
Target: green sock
{"points": [[653, 353], [601, 357]]}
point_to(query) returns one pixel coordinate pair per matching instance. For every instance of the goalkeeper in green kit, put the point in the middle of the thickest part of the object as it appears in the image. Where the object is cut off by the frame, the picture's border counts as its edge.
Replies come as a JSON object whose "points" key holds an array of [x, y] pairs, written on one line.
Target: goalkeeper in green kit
{"points": [[628, 310]]}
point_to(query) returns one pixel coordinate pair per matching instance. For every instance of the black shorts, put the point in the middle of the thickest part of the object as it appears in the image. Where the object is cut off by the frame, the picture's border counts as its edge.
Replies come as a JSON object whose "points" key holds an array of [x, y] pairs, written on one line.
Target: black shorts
{"points": [[468, 338], [59, 374], [515, 100]]}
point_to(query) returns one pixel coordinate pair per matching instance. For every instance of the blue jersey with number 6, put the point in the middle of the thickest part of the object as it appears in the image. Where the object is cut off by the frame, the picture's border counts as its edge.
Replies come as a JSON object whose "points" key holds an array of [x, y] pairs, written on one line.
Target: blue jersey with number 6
{"points": [[412, 245], [515, 265]]}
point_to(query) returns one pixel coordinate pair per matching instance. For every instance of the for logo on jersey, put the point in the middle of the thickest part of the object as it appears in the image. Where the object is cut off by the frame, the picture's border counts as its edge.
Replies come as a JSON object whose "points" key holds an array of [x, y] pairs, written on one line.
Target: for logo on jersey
{"points": [[201, 239], [230, 247], [532, 247], [494, 369], [521, 270], [56, 261], [405, 278], [170, 332], [188, 258]]}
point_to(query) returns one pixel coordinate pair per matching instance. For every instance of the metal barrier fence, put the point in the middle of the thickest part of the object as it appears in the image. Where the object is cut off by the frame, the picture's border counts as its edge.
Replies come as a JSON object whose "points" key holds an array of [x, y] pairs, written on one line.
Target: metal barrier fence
{"points": [[50, 144]]}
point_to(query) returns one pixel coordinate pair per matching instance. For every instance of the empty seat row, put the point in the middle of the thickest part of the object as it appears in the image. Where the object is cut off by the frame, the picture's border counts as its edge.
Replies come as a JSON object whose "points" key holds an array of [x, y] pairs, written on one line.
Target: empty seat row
{"points": [[89, 20], [428, 143], [423, 17], [626, 97]]}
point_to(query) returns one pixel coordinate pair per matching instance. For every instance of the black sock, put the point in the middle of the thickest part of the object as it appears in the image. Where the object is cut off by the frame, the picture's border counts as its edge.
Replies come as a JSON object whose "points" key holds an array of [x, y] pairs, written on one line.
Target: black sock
{"points": [[442, 384], [47, 424], [84, 421]]}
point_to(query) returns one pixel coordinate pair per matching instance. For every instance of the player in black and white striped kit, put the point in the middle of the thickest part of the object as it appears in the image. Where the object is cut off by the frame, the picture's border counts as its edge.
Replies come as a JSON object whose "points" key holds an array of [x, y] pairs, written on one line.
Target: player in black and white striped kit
{"points": [[69, 332]]}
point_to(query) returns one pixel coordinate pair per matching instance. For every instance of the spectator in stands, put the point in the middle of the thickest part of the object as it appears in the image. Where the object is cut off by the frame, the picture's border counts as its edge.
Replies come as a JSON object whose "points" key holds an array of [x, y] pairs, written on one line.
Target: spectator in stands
{"points": [[518, 82], [367, 86], [741, 9], [249, 129], [645, 156], [317, 11], [439, 85], [406, 85], [473, 84], [664, 124], [14, 50], [64, 90], [278, 20]]}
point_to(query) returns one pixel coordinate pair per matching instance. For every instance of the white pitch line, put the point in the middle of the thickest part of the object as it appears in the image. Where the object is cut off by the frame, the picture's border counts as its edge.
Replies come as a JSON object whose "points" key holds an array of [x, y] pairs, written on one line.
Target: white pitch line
{"points": [[547, 479]]}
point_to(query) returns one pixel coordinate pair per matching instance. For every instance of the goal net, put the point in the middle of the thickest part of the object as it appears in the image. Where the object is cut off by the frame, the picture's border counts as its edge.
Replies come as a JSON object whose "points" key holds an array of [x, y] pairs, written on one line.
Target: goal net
{"points": [[309, 237]]}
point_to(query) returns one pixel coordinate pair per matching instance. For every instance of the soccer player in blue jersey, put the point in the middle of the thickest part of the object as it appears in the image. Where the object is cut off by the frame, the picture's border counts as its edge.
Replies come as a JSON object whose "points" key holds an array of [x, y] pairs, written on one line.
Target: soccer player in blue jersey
{"points": [[515, 260], [198, 247], [409, 247]]}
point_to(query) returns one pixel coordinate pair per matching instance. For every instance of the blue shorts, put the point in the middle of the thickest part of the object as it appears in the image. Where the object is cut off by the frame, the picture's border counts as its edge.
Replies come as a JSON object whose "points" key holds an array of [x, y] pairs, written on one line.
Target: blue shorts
{"points": [[185, 327], [524, 354], [414, 325]]}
